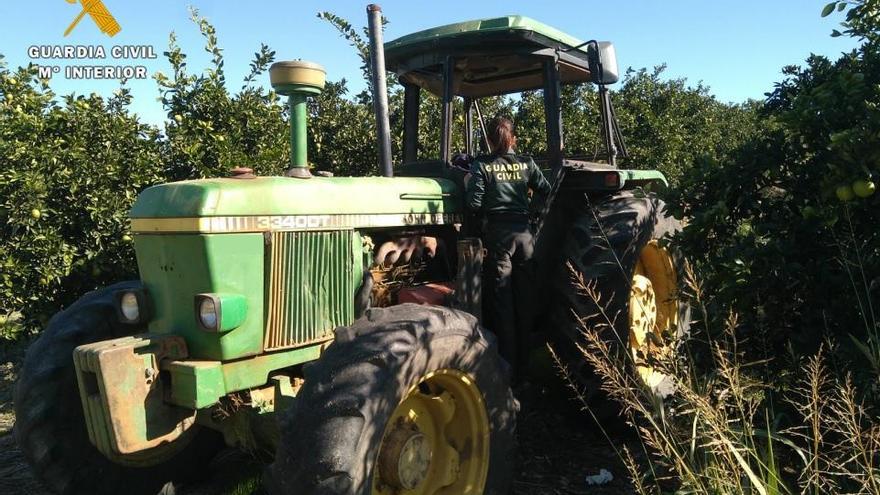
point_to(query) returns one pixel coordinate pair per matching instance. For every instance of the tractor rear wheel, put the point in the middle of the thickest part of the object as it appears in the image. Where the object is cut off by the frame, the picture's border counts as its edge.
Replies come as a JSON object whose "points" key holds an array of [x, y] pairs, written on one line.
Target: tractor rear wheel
{"points": [[635, 283], [408, 399], [50, 426]]}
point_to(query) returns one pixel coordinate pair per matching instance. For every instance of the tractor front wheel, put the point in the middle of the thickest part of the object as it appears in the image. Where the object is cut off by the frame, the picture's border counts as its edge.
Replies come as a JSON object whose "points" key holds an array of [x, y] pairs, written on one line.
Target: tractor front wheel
{"points": [[50, 426], [408, 399]]}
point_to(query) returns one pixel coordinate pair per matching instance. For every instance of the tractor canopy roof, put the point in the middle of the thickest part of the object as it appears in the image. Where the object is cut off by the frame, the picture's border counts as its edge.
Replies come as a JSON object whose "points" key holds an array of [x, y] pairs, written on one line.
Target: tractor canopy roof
{"points": [[491, 56]]}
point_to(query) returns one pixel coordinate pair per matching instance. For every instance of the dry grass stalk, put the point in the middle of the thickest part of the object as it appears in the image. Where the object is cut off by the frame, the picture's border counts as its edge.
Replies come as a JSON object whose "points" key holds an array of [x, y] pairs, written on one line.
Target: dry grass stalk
{"points": [[715, 453], [714, 434]]}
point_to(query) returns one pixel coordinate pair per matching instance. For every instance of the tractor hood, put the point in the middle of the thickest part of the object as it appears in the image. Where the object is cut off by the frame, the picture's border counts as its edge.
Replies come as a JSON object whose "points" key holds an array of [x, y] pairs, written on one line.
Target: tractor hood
{"points": [[297, 240], [271, 203]]}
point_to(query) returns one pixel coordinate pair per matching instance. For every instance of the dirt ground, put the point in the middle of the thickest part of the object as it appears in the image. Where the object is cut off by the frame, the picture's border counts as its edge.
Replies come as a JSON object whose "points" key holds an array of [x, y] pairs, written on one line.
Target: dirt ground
{"points": [[558, 447]]}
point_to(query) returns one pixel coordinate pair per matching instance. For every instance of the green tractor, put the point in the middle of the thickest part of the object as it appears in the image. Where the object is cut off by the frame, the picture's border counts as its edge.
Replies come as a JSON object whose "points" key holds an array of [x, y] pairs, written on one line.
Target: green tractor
{"points": [[279, 314]]}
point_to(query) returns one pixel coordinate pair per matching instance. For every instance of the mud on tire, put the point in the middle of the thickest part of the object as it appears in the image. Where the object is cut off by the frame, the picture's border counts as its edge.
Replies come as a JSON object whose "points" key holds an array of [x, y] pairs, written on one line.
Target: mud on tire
{"points": [[331, 436], [50, 427]]}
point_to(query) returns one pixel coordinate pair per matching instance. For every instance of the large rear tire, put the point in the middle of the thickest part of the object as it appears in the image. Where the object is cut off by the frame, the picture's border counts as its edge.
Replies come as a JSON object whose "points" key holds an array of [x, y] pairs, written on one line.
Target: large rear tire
{"points": [[616, 245], [408, 399], [50, 426]]}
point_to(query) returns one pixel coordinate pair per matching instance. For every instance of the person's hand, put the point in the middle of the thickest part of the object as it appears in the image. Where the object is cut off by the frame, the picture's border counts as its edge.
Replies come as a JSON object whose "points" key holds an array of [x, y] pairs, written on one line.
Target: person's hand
{"points": [[462, 161]]}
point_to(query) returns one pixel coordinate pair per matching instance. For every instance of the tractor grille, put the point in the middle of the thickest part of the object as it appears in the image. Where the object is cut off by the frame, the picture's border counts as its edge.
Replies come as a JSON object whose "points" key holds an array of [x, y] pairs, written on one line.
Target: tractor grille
{"points": [[311, 290]]}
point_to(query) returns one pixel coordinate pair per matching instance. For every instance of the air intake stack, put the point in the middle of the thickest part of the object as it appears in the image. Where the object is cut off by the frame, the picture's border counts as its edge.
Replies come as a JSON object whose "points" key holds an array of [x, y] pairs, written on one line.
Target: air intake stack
{"points": [[298, 79]]}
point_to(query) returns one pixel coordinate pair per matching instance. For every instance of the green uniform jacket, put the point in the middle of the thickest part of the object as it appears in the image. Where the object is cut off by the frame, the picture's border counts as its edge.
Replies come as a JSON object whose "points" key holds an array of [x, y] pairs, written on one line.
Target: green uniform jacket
{"points": [[499, 184]]}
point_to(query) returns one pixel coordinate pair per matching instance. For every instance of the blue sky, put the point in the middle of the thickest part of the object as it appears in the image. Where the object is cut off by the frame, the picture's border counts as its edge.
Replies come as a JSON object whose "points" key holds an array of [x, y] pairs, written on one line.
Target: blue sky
{"points": [[737, 48]]}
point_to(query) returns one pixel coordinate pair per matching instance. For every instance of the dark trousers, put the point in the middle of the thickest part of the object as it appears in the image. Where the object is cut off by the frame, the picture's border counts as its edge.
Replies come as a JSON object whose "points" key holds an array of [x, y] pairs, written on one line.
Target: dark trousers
{"points": [[510, 246]]}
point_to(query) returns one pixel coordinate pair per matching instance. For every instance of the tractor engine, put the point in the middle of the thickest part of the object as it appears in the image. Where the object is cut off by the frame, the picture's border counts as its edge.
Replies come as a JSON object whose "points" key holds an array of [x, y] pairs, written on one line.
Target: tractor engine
{"points": [[414, 268]]}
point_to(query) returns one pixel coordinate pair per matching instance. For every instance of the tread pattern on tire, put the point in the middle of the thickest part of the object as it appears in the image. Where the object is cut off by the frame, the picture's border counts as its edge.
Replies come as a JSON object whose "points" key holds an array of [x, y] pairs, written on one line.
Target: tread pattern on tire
{"points": [[603, 245], [331, 435], [50, 426]]}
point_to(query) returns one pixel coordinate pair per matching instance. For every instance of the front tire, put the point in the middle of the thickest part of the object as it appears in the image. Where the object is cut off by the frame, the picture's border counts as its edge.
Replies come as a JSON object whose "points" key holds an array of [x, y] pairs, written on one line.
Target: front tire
{"points": [[408, 399], [50, 426]]}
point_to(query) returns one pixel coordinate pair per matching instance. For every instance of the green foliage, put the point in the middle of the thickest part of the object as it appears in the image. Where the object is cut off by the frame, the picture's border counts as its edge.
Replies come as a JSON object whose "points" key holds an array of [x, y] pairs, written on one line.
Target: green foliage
{"points": [[70, 173], [861, 19], [770, 238], [667, 124], [210, 130], [342, 133], [360, 41], [769, 235]]}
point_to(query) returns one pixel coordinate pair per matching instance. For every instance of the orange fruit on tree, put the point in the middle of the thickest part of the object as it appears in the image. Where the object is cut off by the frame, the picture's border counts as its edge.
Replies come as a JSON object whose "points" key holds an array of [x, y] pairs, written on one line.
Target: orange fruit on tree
{"points": [[863, 188], [844, 193]]}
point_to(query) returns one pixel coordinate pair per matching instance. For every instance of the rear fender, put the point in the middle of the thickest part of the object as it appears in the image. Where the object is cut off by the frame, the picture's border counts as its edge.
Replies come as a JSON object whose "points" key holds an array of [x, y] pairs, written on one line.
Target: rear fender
{"points": [[599, 177]]}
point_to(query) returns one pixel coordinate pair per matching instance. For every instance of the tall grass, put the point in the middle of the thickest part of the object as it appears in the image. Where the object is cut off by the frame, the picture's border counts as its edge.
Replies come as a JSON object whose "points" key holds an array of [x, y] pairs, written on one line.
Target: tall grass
{"points": [[728, 428], [852, 261]]}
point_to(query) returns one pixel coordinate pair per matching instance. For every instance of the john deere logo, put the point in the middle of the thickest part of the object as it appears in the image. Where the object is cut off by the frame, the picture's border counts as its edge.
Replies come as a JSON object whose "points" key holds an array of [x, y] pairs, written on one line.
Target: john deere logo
{"points": [[99, 13]]}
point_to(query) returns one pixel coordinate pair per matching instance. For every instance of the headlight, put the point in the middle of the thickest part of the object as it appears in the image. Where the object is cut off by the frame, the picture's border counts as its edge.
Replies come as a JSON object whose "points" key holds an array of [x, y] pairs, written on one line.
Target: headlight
{"points": [[208, 314], [128, 305], [220, 312], [131, 306]]}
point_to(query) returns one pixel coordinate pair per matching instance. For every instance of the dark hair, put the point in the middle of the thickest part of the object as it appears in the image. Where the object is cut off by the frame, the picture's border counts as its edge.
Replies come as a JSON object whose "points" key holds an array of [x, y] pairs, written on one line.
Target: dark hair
{"points": [[501, 136]]}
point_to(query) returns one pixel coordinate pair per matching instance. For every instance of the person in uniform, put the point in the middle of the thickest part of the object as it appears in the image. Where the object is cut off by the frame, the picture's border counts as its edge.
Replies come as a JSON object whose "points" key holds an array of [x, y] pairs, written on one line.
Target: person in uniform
{"points": [[498, 189]]}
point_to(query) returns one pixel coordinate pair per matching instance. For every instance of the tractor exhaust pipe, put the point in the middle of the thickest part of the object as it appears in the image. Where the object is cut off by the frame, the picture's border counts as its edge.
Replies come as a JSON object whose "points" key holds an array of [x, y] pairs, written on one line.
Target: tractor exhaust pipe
{"points": [[380, 89]]}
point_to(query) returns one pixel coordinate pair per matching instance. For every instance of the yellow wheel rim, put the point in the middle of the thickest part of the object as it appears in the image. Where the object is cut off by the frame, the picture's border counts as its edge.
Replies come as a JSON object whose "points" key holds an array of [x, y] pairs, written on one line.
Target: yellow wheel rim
{"points": [[653, 311], [437, 440]]}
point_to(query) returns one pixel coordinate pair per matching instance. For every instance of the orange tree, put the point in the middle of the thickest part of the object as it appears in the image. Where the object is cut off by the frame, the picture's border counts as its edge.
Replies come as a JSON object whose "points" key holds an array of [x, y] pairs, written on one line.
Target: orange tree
{"points": [[71, 170], [667, 124], [209, 128], [772, 235], [69, 174]]}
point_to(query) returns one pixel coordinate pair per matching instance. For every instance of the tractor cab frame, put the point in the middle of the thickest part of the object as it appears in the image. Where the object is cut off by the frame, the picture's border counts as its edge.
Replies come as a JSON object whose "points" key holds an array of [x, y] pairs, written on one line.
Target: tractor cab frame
{"points": [[499, 56], [491, 57]]}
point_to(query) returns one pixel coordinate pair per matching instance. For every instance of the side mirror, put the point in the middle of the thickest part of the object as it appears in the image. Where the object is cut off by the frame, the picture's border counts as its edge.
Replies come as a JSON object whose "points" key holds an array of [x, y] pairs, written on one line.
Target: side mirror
{"points": [[603, 62]]}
